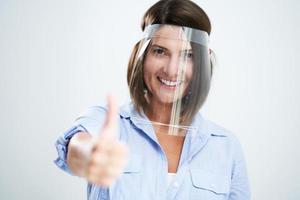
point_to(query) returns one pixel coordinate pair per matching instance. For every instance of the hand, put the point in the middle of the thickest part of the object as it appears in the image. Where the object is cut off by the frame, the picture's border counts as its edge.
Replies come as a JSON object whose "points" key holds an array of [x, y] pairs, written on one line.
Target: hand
{"points": [[109, 156]]}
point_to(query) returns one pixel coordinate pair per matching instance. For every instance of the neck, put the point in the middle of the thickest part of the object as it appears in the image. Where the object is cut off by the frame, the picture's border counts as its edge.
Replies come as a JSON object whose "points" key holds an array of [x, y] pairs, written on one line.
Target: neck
{"points": [[159, 112]]}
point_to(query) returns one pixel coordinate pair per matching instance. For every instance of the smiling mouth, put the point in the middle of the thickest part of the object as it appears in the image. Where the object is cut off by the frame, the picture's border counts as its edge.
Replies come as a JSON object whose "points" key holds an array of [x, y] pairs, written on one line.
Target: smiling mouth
{"points": [[169, 83]]}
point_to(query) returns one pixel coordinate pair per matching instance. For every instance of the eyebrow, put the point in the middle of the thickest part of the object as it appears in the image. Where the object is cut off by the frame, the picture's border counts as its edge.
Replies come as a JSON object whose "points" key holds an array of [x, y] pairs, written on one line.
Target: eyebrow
{"points": [[164, 48]]}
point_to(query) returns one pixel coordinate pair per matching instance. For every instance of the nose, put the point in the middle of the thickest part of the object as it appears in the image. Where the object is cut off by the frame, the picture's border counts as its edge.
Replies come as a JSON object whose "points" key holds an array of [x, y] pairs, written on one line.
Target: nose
{"points": [[172, 67]]}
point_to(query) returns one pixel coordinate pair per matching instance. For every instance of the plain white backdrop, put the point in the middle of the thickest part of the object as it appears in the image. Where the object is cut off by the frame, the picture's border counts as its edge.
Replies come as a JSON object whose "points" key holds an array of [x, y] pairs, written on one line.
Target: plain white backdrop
{"points": [[58, 57]]}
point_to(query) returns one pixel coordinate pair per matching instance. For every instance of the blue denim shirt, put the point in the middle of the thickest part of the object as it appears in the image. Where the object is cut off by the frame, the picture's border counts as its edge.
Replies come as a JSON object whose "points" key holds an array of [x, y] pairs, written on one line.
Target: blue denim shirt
{"points": [[212, 165]]}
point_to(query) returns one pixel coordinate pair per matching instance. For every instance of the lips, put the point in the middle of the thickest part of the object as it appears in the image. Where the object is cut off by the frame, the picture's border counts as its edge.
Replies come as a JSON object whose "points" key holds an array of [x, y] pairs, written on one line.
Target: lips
{"points": [[169, 83]]}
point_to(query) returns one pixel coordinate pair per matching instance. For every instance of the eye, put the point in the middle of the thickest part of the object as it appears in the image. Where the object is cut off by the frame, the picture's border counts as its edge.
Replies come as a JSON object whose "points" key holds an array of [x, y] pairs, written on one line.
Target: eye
{"points": [[159, 51], [187, 55]]}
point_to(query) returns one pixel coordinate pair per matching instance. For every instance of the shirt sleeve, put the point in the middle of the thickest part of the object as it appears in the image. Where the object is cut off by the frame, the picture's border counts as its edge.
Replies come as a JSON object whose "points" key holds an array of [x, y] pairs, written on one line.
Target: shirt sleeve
{"points": [[61, 145], [90, 122], [240, 189]]}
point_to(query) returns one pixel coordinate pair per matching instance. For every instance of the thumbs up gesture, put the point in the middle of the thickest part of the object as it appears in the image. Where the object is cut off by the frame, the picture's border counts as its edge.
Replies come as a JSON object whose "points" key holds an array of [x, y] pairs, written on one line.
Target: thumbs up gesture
{"points": [[108, 156]]}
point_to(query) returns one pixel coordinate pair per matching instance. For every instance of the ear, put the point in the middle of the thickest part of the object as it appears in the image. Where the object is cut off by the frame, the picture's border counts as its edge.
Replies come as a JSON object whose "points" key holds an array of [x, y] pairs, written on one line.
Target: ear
{"points": [[210, 51]]}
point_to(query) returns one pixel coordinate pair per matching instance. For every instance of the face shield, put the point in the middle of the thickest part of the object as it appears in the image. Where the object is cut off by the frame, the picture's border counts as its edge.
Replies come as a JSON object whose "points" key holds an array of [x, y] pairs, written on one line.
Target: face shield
{"points": [[169, 77]]}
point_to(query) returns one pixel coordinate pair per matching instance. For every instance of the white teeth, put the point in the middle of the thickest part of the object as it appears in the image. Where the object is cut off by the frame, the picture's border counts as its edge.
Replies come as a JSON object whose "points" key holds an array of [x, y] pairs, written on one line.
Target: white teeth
{"points": [[169, 83]]}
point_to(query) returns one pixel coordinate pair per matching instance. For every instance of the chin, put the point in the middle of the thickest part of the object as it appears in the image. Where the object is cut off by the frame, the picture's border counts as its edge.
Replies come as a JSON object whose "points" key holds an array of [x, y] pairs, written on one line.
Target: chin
{"points": [[167, 98]]}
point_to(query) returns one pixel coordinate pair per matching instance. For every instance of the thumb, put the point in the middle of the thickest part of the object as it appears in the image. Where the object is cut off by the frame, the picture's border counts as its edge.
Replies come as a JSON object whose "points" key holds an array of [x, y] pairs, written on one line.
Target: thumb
{"points": [[110, 126]]}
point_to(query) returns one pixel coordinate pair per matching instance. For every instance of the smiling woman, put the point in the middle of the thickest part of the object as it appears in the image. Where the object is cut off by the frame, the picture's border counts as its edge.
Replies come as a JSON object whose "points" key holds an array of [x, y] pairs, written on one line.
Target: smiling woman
{"points": [[168, 65], [164, 149], [166, 62]]}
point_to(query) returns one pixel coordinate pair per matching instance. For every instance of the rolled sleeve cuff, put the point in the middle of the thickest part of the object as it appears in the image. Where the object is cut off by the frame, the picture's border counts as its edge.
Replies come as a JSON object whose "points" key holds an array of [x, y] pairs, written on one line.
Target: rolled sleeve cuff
{"points": [[62, 147]]}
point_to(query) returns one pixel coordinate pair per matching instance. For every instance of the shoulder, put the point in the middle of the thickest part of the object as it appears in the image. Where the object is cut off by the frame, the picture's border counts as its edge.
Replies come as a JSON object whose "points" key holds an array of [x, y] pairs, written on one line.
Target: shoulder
{"points": [[211, 127], [93, 112], [93, 118], [96, 111], [216, 131]]}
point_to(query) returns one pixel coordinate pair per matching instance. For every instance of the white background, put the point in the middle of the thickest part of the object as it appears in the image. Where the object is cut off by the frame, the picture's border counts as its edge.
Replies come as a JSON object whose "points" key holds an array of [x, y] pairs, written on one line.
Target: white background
{"points": [[58, 57]]}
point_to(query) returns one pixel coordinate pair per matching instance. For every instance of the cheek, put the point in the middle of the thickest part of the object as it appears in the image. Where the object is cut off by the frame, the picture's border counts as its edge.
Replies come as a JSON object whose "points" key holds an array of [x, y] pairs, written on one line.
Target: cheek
{"points": [[189, 72], [149, 68], [148, 72]]}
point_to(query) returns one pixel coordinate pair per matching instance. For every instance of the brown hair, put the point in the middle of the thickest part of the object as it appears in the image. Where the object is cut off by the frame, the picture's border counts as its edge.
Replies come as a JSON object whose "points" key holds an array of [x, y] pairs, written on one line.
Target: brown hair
{"points": [[181, 13]]}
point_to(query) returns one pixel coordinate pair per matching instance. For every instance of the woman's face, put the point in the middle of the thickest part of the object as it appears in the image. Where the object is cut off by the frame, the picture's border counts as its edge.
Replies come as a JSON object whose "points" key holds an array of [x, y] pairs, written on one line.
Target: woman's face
{"points": [[168, 65]]}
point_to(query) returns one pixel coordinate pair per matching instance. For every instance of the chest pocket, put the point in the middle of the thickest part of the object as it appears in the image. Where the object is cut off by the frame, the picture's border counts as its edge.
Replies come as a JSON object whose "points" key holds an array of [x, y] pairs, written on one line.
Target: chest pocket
{"points": [[209, 185], [129, 184], [134, 164]]}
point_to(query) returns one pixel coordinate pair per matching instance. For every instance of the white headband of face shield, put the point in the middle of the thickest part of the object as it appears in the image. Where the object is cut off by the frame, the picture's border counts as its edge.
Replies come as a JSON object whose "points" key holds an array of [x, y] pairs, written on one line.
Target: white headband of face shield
{"points": [[191, 34]]}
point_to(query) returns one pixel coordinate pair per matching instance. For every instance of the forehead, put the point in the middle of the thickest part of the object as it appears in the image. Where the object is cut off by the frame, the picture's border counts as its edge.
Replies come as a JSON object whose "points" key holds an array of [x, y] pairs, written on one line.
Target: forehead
{"points": [[173, 36]]}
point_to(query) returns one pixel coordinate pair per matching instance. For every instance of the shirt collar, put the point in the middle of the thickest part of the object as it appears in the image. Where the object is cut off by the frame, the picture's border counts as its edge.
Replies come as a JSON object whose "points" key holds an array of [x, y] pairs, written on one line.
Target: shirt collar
{"points": [[204, 127], [128, 111]]}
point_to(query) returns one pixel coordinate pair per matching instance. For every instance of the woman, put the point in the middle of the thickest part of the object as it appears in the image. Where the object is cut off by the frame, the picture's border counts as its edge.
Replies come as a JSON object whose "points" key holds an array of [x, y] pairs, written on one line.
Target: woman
{"points": [[164, 149]]}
